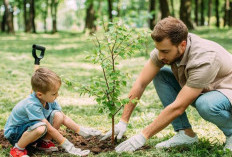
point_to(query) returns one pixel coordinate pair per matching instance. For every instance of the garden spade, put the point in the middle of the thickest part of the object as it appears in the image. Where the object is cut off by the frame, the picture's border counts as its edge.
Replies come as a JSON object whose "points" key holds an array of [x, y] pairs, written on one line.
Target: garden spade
{"points": [[37, 59]]}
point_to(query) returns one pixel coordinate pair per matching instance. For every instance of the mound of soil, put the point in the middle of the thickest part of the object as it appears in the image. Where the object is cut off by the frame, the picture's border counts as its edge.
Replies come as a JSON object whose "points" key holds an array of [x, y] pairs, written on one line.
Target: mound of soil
{"points": [[92, 143]]}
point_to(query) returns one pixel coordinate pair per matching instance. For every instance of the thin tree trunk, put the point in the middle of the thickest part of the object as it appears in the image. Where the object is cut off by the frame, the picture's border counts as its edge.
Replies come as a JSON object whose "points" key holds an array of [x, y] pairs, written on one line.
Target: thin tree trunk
{"points": [[110, 8], [209, 11], [32, 15], [185, 13], [152, 11], [119, 8], [54, 6], [230, 15], [202, 13], [3, 27], [90, 18], [112, 137], [164, 8], [9, 17], [45, 16], [27, 23], [227, 7], [173, 10], [196, 12], [217, 13]]}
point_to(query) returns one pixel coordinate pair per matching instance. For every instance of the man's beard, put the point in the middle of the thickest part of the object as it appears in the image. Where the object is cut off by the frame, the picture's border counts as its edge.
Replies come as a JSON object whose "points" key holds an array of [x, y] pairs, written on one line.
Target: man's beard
{"points": [[177, 58]]}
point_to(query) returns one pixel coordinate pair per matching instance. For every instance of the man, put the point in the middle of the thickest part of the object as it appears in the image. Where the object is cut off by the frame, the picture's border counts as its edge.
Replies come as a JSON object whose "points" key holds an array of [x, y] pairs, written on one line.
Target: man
{"points": [[200, 74]]}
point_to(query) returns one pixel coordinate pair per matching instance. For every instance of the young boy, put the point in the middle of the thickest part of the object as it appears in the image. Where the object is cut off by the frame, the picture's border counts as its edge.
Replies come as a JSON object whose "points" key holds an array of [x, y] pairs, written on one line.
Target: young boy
{"points": [[37, 119]]}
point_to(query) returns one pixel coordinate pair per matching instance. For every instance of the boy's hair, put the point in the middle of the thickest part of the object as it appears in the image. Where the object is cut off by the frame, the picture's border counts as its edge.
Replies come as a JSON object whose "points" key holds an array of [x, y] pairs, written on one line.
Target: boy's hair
{"points": [[170, 28], [44, 80]]}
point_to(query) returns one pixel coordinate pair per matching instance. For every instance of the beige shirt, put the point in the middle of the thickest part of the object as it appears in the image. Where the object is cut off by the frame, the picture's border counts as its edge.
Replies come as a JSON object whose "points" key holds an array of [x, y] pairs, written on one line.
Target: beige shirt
{"points": [[205, 64]]}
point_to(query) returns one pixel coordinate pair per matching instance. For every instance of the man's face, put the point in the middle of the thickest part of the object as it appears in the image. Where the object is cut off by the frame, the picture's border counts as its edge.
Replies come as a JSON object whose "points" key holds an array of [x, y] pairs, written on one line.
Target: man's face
{"points": [[169, 53]]}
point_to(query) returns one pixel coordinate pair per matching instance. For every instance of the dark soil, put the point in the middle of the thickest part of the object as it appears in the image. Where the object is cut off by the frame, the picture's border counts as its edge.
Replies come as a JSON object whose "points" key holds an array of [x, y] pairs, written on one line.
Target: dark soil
{"points": [[92, 143]]}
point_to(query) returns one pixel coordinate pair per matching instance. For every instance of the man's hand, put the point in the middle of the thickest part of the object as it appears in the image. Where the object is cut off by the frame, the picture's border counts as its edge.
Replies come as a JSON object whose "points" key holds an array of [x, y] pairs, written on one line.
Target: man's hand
{"points": [[88, 132], [69, 147], [132, 144], [119, 130]]}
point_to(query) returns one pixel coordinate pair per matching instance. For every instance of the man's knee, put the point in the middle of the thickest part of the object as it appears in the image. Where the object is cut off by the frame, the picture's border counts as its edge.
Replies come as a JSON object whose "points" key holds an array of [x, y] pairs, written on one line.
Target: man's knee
{"points": [[205, 108]]}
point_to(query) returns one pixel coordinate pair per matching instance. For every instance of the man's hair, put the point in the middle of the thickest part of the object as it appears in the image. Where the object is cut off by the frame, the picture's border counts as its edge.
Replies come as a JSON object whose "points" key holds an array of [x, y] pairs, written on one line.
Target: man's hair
{"points": [[170, 28], [44, 80]]}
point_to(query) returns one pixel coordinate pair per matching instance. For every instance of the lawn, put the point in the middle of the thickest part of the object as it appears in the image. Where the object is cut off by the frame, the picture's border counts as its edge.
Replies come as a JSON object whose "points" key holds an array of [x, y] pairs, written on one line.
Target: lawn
{"points": [[65, 54]]}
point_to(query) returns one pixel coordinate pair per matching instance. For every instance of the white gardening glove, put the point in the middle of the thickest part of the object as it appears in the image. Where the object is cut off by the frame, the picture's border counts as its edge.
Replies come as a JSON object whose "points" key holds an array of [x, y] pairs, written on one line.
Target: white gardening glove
{"points": [[88, 132], [132, 144], [70, 148], [119, 130]]}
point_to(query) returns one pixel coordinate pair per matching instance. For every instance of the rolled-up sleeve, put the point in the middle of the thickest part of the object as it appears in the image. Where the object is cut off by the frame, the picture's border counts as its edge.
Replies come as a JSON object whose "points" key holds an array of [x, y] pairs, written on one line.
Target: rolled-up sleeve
{"points": [[154, 58]]}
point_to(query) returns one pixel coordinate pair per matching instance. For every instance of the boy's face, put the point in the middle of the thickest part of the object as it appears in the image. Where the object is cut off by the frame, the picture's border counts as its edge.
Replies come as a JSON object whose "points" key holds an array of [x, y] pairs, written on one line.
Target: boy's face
{"points": [[50, 96]]}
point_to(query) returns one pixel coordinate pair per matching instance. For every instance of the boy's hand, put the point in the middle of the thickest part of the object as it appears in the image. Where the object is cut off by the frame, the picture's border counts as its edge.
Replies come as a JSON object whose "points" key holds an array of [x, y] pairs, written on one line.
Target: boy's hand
{"points": [[70, 148], [88, 132]]}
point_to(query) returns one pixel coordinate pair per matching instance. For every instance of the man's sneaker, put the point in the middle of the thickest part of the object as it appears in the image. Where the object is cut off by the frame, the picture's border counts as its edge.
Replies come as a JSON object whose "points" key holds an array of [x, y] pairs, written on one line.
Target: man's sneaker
{"points": [[228, 145], [179, 139], [15, 152], [47, 146]]}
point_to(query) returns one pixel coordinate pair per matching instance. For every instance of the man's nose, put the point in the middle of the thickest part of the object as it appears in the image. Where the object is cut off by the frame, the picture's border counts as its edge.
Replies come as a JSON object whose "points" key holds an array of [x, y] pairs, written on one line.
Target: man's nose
{"points": [[160, 56]]}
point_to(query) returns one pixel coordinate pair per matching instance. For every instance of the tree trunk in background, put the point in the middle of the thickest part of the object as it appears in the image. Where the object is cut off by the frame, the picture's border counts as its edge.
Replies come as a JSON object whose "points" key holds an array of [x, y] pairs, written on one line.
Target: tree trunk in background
{"points": [[164, 8], [90, 18], [3, 24], [32, 15], [27, 23], [196, 12], [217, 13], [152, 11], [185, 13], [230, 15], [209, 11], [110, 8], [173, 10], [119, 8], [45, 16], [54, 5], [9, 17], [202, 13], [227, 7]]}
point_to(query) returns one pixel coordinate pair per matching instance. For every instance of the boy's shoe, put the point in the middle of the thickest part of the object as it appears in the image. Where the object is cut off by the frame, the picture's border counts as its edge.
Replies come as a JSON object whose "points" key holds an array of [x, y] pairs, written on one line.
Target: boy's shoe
{"points": [[15, 152], [228, 145], [47, 146], [179, 139]]}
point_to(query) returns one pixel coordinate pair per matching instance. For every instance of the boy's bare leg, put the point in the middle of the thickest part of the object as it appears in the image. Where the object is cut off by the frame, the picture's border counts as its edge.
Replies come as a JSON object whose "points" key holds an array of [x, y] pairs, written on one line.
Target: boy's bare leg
{"points": [[57, 121], [31, 136]]}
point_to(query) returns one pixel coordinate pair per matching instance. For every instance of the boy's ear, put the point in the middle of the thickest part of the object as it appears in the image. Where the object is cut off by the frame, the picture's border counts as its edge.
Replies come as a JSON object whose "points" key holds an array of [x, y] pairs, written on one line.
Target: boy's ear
{"points": [[39, 94]]}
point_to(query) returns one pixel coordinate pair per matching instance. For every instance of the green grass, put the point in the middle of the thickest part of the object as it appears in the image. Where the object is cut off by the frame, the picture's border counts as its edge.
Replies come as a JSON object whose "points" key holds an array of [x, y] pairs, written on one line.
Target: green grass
{"points": [[65, 54]]}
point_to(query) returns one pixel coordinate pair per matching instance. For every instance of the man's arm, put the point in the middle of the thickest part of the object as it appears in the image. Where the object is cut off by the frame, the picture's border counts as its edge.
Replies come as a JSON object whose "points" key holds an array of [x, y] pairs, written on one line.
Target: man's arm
{"points": [[147, 74], [186, 96]]}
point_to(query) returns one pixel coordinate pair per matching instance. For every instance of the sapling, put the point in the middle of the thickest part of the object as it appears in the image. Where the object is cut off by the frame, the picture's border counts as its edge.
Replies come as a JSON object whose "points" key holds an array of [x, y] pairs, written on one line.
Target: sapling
{"points": [[117, 42]]}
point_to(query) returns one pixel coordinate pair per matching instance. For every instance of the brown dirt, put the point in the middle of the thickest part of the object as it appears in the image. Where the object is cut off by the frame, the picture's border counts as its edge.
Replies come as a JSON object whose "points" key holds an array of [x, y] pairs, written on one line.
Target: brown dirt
{"points": [[92, 143]]}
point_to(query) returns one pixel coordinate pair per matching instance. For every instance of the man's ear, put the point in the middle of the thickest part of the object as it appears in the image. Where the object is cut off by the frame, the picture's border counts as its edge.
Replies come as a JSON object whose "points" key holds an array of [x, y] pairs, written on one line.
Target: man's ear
{"points": [[183, 45], [39, 94]]}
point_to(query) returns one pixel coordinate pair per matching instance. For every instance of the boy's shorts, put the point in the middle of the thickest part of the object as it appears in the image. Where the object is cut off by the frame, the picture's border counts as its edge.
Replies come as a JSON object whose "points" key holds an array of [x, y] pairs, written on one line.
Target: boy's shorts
{"points": [[17, 132]]}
